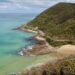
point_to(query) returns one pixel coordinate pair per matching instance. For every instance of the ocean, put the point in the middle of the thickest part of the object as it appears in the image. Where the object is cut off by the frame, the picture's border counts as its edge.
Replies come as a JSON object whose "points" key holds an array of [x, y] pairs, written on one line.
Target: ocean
{"points": [[12, 41]]}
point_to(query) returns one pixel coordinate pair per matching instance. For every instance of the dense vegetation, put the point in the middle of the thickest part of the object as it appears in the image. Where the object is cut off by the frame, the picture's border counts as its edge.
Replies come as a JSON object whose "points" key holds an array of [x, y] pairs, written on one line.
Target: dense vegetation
{"points": [[65, 67], [57, 22]]}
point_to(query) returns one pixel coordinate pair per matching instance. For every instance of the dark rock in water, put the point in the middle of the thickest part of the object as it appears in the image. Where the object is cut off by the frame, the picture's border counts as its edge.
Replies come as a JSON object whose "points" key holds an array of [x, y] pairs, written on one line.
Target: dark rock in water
{"points": [[29, 39], [16, 28]]}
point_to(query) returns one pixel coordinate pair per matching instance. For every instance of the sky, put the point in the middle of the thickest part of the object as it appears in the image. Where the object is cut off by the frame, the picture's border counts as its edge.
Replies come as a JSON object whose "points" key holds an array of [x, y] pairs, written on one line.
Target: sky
{"points": [[27, 6]]}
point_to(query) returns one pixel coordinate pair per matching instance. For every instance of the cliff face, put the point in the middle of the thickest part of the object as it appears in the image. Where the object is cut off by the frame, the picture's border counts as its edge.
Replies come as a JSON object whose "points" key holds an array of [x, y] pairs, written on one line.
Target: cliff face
{"points": [[61, 67], [57, 22]]}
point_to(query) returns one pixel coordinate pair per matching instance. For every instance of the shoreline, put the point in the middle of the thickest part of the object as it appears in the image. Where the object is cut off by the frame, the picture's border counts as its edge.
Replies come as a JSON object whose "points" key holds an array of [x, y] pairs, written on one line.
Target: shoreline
{"points": [[25, 30], [40, 48]]}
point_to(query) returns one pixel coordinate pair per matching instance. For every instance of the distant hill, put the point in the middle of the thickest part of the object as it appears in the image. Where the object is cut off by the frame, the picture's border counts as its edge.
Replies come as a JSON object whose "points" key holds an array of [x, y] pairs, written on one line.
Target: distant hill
{"points": [[58, 21]]}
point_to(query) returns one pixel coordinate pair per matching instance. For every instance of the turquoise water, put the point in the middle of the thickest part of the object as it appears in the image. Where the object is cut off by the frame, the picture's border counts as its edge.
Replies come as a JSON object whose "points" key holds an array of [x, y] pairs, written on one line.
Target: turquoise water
{"points": [[11, 41]]}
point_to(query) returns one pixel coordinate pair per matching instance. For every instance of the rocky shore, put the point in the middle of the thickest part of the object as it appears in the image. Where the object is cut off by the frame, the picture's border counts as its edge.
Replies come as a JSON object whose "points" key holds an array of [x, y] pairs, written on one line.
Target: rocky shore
{"points": [[40, 48]]}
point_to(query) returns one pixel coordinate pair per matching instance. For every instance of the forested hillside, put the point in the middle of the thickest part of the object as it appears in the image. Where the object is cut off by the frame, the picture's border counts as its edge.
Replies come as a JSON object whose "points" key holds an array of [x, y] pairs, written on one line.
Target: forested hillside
{"points": [[57, 22]]}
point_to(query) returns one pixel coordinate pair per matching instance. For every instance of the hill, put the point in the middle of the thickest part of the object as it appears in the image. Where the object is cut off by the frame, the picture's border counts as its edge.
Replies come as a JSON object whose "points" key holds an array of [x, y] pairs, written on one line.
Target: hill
{"points": [[57, 22]]}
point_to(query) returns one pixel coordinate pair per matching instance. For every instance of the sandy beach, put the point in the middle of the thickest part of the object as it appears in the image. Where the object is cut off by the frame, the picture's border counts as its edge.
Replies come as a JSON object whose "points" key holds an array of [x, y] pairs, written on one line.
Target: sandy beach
{"points": [[66, 50]]}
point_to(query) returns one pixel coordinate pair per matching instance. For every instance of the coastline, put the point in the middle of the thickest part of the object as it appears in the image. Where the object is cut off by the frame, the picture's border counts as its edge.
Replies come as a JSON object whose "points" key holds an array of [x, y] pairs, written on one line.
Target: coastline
{"points": [[43, 48], [25, 30], [40, 48]]}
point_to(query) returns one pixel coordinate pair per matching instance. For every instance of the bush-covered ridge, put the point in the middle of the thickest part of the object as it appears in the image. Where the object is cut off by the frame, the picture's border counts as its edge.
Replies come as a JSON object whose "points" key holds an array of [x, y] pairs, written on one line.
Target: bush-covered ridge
{"points": [[57, 22]]}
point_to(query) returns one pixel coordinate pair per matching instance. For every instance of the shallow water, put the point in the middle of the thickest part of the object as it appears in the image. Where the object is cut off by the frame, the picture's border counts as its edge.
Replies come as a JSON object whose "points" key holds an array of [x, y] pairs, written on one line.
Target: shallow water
{"points": [[11, 41]]}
